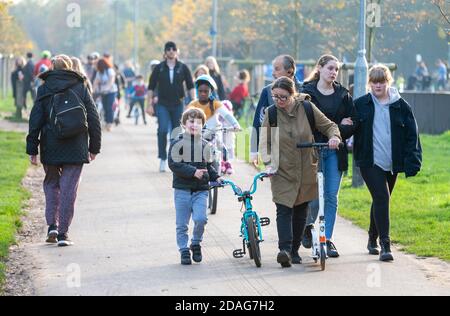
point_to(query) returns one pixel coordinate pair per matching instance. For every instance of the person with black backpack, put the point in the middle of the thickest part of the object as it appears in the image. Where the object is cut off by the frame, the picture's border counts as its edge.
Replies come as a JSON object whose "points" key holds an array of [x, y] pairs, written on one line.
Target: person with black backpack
{"points": [[287, 123], [336, 103], [65, 124]]}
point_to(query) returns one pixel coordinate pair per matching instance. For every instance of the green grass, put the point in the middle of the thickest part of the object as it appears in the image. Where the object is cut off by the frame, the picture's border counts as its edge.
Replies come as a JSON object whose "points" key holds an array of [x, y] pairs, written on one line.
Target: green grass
{"points": [[7, 105], [420, 207], [14, 163], [8, 110]]}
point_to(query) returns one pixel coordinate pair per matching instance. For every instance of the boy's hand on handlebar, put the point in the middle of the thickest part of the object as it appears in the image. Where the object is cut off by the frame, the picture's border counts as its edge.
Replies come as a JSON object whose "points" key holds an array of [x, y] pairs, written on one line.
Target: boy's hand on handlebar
{"points": [[334, 143]]}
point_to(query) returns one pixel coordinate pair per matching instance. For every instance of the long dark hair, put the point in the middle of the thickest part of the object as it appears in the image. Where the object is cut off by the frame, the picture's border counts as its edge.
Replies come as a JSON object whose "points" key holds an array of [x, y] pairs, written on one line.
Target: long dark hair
{"points": [[322, 62]]}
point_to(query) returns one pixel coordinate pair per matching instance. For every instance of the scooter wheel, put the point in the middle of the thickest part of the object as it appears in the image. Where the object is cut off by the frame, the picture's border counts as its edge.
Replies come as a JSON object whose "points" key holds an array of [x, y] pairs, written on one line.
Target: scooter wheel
{"points": [[323, 257]]}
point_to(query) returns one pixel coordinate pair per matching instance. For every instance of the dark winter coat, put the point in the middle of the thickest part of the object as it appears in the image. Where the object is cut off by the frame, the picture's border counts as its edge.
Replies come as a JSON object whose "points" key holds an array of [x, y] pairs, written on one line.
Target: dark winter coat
{"points": [[344, 108], [406, 147], [187, 154], [53, 150]]}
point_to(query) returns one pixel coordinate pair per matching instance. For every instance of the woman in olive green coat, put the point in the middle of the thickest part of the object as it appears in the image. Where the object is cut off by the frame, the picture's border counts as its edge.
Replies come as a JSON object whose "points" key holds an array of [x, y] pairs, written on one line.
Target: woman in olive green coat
{"points": [[295, 182]]}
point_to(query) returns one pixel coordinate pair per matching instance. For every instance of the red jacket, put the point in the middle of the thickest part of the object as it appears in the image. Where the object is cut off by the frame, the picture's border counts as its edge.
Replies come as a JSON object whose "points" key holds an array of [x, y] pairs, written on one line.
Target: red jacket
{"points": [[46, 62], [239, 93]]}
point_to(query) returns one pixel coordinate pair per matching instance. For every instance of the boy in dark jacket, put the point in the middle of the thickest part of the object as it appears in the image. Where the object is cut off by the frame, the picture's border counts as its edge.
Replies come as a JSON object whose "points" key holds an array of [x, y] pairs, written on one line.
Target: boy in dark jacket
{"points": [[191, 161]]}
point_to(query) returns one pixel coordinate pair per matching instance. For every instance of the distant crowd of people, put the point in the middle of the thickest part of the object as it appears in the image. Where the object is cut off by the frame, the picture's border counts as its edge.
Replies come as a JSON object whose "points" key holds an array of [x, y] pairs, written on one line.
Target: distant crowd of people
{"points": [[425, 80]]}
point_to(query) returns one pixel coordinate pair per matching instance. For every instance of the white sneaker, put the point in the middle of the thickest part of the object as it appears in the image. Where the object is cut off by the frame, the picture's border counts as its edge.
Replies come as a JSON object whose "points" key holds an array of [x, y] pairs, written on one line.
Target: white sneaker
{"points": [[163, 166]]}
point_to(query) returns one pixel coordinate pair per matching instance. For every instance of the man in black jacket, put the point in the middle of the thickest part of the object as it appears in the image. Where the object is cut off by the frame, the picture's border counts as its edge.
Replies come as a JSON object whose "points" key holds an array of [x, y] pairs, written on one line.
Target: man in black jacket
{"points": [[169, 78], [29, 77], [62, 159]]}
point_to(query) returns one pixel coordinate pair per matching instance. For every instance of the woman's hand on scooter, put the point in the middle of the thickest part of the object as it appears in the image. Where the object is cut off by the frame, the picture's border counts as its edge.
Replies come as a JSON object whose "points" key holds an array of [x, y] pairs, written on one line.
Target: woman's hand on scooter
{"points": [[334, 143]]}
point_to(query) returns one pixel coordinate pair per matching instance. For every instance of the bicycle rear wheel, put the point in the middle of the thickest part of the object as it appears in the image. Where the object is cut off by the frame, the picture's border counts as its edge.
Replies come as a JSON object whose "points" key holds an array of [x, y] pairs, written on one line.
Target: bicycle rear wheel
{"points": [[253, 240]]}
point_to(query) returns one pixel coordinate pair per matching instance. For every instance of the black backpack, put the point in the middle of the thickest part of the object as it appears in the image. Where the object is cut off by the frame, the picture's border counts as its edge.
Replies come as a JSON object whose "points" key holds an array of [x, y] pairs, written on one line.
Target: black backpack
{"points": [[273, 116], [68, 116]]}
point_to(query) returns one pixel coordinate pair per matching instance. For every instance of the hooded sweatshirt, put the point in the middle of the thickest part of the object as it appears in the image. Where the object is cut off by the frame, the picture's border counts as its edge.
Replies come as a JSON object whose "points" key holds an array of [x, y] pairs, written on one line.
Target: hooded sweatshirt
{"points": [[382, 138]]}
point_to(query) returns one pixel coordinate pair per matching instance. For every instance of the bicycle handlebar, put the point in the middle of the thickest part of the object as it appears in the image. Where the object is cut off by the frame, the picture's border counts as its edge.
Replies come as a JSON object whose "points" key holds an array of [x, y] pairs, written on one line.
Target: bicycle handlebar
{"points": [[221, 129], [237, 190]]}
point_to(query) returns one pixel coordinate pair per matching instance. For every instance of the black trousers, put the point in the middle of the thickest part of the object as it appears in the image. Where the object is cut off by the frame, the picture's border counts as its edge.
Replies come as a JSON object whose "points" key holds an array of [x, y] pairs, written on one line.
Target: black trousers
{"points": [[291, 224], [141, 103], [381, 185]]}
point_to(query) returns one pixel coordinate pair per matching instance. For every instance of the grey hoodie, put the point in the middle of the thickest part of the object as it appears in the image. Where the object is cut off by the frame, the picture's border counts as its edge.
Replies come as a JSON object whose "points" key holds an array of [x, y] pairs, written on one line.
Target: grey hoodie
{"points": [[382, 138]]}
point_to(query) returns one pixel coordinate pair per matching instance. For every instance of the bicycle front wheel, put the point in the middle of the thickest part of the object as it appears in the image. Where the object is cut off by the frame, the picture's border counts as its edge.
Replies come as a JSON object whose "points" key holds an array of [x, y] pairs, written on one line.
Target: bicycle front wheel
{"points": [[253, 240], [213, 200]]}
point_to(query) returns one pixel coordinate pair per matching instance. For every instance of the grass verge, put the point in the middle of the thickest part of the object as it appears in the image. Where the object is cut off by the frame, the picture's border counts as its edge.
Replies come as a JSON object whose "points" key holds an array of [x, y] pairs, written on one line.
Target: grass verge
{"points": [[13, 196]]}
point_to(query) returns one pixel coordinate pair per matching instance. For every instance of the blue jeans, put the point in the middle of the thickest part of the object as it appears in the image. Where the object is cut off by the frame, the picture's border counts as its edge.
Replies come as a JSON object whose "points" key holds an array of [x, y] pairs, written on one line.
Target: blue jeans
{"points": [[107, 103], [169, 118], [189, 204], [333, 179]]}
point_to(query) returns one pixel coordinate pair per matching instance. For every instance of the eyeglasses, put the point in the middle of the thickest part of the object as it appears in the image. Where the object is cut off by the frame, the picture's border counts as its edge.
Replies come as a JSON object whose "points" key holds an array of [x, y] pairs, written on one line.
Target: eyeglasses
{"points": [[282, 98]]}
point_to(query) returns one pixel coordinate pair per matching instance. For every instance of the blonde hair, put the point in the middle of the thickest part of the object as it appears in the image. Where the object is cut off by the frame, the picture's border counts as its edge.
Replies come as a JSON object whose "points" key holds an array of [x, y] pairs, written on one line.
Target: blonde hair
{"points": [[78, 66], [322, 62], [20, 62], [213, 62], [62, 62], [380, 74], [193, 113], [199, 68]]}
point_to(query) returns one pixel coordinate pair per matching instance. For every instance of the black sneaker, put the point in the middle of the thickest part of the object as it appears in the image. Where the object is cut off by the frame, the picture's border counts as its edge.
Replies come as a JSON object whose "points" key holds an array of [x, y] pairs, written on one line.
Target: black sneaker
{"points": [[296, 259], [52, 234], [64, 241], [331, 250], [196, 253], [186, 258], [307, 238], [372, 246], [284, 258]]}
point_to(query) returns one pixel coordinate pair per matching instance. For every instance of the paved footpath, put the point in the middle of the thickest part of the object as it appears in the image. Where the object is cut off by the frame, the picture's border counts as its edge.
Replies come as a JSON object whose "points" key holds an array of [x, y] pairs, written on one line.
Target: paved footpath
{"points": [[124, 230]]}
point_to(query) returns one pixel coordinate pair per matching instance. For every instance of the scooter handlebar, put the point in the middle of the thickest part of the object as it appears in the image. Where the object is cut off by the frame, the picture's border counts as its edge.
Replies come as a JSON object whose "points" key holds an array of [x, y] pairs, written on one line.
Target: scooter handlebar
{"points": [[317, 145]]}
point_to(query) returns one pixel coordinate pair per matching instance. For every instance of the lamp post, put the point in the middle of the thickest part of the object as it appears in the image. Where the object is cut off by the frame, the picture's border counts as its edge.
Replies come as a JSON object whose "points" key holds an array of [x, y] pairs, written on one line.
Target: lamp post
{"points": [[136, 35], [361, 75], [214, 28], [448, 42]]}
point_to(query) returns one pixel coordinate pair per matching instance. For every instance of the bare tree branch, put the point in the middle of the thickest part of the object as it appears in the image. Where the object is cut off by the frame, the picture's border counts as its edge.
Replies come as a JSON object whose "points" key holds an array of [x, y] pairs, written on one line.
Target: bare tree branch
{"points": [[439, 5]]}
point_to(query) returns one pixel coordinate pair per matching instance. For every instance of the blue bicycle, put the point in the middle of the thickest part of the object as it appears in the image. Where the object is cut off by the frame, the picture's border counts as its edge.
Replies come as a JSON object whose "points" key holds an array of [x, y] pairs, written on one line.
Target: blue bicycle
{"points": [[251, 223]]}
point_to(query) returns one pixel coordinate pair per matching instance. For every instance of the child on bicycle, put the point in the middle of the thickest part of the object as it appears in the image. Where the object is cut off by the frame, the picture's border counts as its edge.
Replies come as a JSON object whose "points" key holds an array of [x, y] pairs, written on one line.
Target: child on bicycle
{"points": [[138, 93], [191, 161], [214, 110], [228, 141]]}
